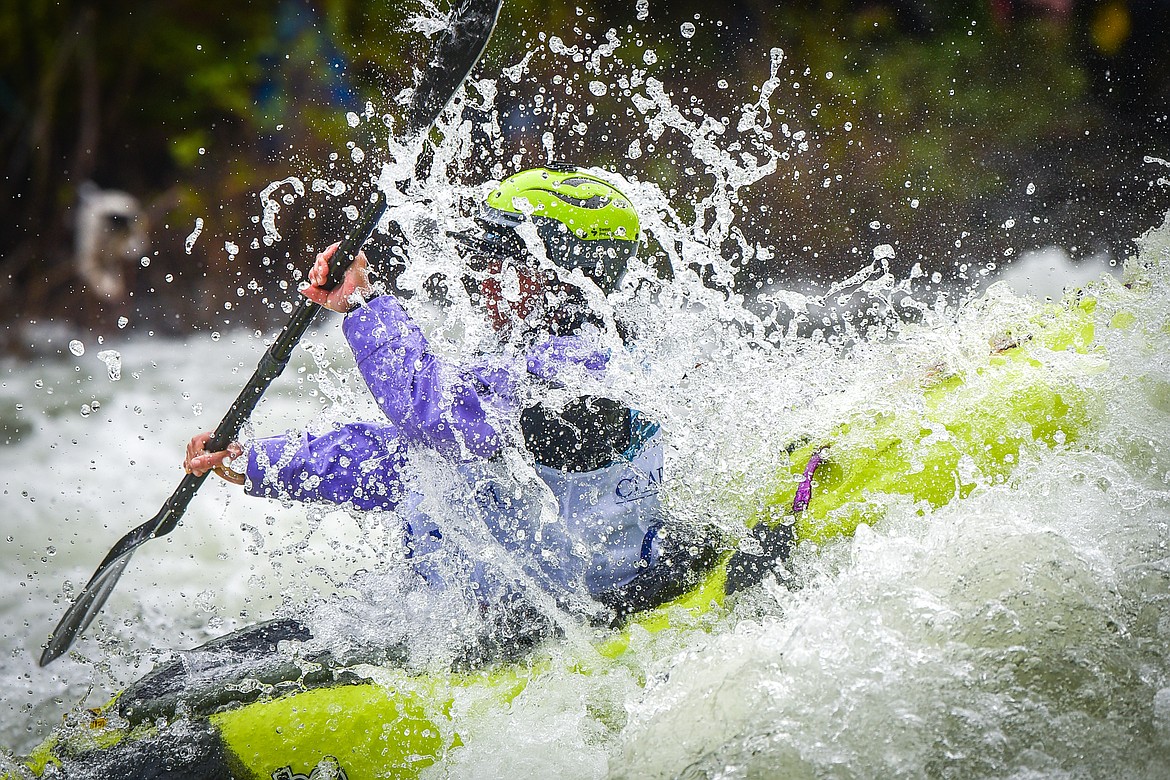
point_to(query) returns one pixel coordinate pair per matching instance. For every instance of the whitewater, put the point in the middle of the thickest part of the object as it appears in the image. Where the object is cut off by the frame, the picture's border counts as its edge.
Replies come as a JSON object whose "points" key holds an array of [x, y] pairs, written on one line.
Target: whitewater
{"points": [[1020, 632]]}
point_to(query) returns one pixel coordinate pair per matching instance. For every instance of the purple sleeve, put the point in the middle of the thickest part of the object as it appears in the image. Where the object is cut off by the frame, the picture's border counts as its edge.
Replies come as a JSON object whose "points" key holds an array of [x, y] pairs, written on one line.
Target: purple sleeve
{"points": [[431, 402], [359, 463]]}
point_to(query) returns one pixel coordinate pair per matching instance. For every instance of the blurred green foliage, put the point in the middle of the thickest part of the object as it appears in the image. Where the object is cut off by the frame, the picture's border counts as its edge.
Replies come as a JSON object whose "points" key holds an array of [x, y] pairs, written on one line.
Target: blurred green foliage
{"points": [[195, 106]]}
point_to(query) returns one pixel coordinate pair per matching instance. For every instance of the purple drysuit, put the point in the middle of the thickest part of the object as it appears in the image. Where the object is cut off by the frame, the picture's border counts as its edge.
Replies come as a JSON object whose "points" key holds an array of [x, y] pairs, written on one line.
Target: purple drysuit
{"points": [[574, 532]]}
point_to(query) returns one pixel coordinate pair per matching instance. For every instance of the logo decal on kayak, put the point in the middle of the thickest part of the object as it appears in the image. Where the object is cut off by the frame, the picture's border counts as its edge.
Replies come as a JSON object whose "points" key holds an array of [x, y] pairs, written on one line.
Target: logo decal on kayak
{"points": [[328, 768]]}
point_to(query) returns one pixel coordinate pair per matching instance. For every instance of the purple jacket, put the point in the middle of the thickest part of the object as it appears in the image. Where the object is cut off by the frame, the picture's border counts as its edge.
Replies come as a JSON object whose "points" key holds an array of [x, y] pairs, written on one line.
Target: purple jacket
{"points": [[459, 411]]}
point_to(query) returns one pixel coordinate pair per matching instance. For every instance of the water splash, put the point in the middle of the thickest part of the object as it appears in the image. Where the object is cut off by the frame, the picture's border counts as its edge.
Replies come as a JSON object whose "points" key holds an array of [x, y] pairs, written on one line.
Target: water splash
{"points": [[272, 207], [113, 361], [189, 243]]}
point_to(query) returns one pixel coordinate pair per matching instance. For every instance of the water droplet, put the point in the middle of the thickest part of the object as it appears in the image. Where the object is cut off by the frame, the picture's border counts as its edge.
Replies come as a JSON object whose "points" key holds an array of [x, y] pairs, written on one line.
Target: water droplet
{"points": [[215, 335], [875, 225], [351, 212], [77, 348], [883, 252], [123, 322], [649, 57], [39, 384], [687, 30], [1031, 188], [197, 409], [188, 244], [353, 119], [334, 188], [643, 9], [113, 361], [145, 261], [598, 88], [357, 155], [86, 411]]}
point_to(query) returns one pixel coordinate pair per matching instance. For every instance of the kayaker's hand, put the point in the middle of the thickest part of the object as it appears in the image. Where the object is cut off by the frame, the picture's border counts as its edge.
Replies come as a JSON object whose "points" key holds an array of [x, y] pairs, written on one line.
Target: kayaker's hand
{"points": [[344, 297], [199, 461]]}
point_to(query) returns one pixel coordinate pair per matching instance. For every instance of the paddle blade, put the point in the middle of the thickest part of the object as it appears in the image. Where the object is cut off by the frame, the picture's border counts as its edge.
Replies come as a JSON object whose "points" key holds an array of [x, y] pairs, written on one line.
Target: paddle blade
{"points": [[456, 53], [85, 607]]}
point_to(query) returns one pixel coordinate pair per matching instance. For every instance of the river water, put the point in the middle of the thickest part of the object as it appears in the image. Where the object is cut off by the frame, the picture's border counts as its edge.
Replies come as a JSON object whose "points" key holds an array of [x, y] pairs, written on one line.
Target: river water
{"points": [[1022, 632]]}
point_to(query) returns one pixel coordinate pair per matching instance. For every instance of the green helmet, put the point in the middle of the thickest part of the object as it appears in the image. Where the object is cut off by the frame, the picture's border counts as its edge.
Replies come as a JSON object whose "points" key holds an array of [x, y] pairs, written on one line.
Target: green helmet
{"points": [[584, 221]]}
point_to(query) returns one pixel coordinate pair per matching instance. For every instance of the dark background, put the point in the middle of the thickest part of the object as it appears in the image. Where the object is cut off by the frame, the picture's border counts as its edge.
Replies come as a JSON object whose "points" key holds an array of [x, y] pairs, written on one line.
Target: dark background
{"points": [[193, 106]]}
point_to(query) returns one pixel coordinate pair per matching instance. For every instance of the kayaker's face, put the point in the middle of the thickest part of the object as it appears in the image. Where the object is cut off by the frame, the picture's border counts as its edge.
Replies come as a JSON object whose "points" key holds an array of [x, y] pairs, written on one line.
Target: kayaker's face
{"points": [[511, 292]]}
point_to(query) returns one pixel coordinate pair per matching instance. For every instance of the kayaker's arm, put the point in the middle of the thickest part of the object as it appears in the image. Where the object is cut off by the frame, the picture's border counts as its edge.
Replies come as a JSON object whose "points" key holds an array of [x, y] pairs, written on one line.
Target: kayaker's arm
{"points": [[430, 402], [449, 408], [359, 464]]}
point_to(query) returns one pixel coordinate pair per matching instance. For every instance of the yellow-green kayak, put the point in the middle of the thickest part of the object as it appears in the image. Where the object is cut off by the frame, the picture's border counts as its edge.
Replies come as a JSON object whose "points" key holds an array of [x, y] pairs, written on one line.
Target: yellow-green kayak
{"points": [[248, 706]]}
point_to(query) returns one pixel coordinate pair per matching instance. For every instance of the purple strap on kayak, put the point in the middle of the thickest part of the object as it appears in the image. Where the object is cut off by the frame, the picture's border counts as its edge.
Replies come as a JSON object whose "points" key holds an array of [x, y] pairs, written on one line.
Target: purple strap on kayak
{"points": [[804, 492]]}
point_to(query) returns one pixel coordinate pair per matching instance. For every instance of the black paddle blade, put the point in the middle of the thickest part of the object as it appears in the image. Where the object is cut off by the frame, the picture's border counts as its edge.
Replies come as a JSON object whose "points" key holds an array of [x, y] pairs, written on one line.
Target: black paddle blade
{"points": [[82, 612], [86, 606], [456, 53]]}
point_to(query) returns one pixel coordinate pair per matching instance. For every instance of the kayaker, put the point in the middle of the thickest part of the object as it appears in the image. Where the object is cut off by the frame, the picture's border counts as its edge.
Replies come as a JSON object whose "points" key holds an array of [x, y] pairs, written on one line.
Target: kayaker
{"points": [[601, 460]]}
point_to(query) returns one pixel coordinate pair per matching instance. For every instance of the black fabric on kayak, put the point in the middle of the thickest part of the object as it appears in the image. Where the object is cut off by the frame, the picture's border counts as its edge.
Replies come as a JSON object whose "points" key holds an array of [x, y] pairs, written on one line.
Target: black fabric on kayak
{"points": [[746, 569], [208, 678], [684, 559], [200, 756]]}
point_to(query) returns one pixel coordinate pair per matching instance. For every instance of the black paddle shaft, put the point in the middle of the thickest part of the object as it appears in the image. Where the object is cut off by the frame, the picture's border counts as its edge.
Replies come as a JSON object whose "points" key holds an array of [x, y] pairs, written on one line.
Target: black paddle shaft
{"points": [[462, 44]]}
